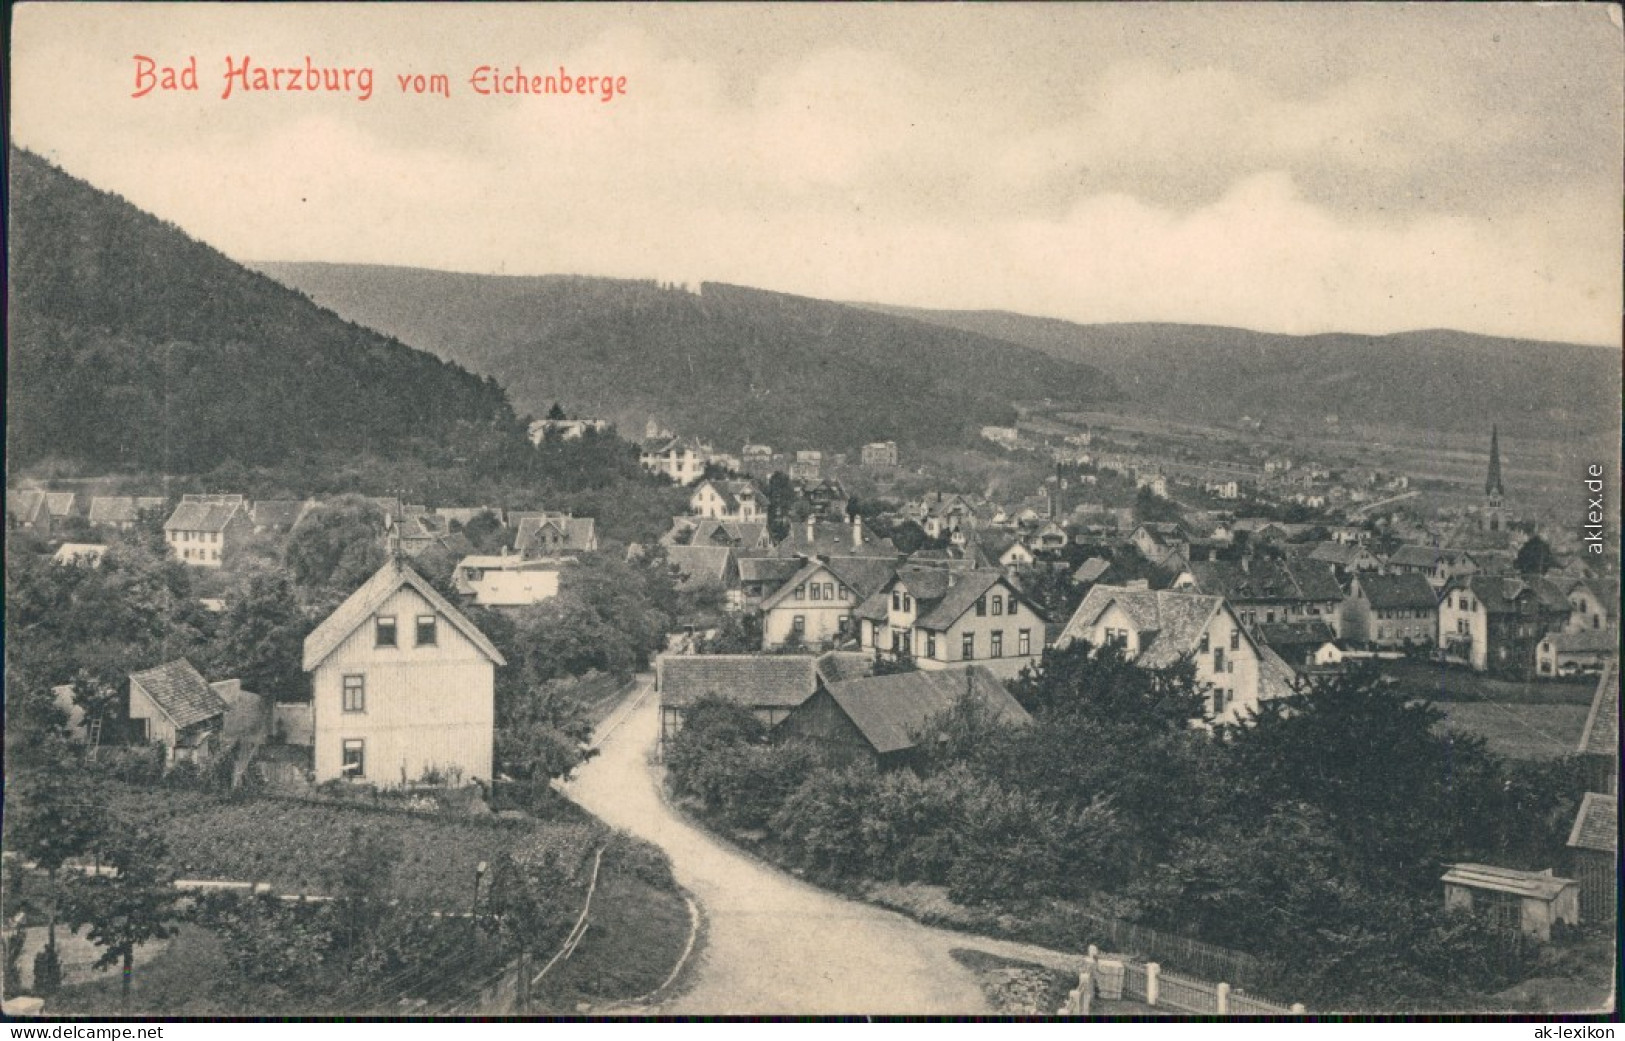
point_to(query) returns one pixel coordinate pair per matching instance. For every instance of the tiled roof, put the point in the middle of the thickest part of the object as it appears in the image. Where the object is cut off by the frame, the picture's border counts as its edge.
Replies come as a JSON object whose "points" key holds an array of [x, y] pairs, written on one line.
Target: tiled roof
{"points": [[1170, 624], [1342, 554], [360, 605], [891, 710], [767, 569], [112, 509], [836, 666], [758, 680], [278, 513], [1091, 570], [1584, 641], [575, 533], [197, 516], [832, 538], [59, 503], [1276, 678], [863, 575], [1426, 556], [1601, 734], [180, 692], [1504, 595], [1507, 880], [700, 563], [1299, 580], [1296, 634], [960, 596], [1596, 826], [27, 505], [1407, 592]]}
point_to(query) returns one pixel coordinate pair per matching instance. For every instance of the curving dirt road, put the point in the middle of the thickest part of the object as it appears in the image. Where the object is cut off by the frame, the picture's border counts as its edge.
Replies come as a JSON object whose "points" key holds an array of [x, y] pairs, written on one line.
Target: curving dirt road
{"points": [[774, 944]]}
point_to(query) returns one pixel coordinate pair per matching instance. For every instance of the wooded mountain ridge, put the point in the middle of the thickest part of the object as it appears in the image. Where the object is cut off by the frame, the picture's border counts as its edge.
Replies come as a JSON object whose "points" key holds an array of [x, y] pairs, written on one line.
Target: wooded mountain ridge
{"points": [[729, 363], [134, 346], [1432, 379]]}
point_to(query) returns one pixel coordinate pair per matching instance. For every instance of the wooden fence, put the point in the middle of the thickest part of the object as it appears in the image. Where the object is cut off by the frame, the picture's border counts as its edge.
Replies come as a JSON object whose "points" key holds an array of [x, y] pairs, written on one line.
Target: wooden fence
{"points": [[1146, 982], [1205, 960]]}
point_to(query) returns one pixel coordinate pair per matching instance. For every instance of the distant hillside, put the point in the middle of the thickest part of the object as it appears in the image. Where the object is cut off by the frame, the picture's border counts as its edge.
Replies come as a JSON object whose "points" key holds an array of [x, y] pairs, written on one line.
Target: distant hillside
{"points": [[728, 364], [134, 346], [1438, 379]]}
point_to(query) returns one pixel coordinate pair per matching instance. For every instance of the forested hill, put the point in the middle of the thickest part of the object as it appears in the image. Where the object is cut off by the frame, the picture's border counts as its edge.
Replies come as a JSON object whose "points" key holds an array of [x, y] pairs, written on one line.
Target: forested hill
{"points": [[728, 363], [1437, 379], [135, 346]]}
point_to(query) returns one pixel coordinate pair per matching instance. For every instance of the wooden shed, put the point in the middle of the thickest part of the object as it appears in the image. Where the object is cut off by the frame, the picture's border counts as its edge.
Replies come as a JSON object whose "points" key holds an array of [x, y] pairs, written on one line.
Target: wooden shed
{"points": [[1530, 901]]}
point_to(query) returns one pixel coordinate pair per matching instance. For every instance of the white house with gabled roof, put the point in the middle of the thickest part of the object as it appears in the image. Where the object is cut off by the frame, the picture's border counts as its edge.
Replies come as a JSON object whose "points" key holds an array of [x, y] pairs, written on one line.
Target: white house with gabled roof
{"points": [[402, 684]]}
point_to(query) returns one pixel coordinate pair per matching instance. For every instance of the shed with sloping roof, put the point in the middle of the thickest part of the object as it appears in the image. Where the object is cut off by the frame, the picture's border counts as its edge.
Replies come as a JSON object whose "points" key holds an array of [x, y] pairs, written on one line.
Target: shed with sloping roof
{"points": [[1534, 902], [177, 708], [770, 685]]}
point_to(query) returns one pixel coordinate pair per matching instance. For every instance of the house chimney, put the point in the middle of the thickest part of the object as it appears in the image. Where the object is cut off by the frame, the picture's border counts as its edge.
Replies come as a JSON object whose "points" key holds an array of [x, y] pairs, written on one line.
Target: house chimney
{"points": [[812, 530], [857, 530]]}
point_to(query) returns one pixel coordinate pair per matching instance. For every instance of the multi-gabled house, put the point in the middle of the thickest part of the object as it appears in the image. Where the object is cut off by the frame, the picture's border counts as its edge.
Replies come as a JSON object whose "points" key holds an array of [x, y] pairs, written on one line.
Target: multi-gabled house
{"points": [[816, 538], [402, 685], [1346, 559], [1438, 565], [743, 536], [1389, 611], [1494, 623], [548, 535], [204, 529], [1157, 629], [1264, 591], [941, 617], [887, 719], [760, 575], [817, 606], [681, 459], [727, 500]]}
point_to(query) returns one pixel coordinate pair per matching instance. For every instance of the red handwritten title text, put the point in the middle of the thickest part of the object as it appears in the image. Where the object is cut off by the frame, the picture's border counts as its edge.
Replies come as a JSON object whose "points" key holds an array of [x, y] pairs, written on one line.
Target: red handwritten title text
{"points": [[245, 75]]}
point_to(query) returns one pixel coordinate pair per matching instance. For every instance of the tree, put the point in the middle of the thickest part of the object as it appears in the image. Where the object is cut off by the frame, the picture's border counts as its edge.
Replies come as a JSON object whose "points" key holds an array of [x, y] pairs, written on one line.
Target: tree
{"points": [[361, 878], [53, 817], [136, 905], [781, 504], [1535, 557], [337, 546], [486, 532], [261, 637], [529, 909], [556, 412]]}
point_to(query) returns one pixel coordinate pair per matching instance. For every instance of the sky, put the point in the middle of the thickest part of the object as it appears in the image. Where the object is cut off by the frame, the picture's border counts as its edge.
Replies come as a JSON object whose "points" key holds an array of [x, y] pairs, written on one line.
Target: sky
{"points": [[1289, 168]]}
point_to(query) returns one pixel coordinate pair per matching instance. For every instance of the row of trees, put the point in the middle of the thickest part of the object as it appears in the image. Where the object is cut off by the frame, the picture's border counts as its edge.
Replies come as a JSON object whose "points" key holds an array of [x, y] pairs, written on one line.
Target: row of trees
{"points": [[1312, 835]]}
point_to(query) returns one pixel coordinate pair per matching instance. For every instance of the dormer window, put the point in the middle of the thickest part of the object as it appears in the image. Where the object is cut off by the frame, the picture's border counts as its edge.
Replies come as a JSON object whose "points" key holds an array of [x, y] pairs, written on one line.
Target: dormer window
{"points": [[385, 630]]}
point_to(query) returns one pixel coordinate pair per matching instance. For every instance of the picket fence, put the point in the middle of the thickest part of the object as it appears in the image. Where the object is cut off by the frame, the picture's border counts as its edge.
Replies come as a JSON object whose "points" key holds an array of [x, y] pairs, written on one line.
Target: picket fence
{"points": [[1146, 982]]}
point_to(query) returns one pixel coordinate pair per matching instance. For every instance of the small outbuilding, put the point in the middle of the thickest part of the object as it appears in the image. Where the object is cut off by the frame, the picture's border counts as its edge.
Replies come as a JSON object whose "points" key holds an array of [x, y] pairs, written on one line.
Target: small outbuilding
{"points": [[1533, 902]]}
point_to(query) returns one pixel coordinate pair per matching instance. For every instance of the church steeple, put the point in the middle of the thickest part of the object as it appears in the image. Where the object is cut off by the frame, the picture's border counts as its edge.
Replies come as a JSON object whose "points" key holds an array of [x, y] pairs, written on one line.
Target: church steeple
{"points": [[1492, 483]]}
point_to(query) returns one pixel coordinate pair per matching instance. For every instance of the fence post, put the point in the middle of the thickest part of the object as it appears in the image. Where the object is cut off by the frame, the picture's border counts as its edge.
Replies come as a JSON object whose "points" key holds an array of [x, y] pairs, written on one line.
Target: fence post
{"points": [[1153, 976], [1222, 994], [1297, 1008], [1086, 993]]}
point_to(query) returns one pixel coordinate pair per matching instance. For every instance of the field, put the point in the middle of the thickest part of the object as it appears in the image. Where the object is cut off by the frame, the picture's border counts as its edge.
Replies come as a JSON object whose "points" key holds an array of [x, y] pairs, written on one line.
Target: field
{"points": [[291, 844], [1518, 731], [1438, 683]]}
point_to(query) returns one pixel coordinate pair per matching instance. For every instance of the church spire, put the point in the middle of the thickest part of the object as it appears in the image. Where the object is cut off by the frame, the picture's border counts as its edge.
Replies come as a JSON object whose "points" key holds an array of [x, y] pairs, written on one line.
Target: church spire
{"points": [[1492, 483]]}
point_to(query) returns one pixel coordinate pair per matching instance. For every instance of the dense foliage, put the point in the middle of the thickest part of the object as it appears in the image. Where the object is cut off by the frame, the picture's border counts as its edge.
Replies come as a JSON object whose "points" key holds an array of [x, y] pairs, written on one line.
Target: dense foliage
{"points": [[134, 346], [720, 364], [1312, 835]]}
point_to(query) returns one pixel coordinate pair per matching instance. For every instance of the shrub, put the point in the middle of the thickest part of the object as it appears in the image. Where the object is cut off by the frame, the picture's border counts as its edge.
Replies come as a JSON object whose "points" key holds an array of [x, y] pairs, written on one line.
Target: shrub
{"points": [[47, 971], [823, 821]]}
